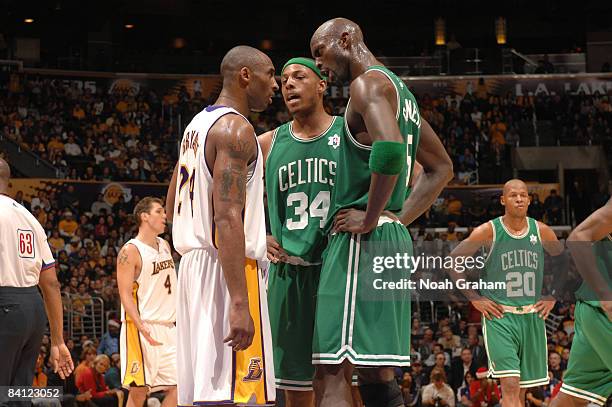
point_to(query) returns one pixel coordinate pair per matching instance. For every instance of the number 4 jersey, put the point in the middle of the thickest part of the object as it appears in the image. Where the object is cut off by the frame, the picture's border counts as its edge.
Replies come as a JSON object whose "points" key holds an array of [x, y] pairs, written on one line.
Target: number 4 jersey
{"points": [[517, 261], [154, 289], [300, 176], [193, 225]]}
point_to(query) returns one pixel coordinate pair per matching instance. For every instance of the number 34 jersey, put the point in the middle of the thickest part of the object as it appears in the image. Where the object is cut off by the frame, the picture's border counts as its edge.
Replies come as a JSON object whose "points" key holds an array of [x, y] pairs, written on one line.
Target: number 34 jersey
{"points": [[193, 225], [300, 175], [154, 290]]}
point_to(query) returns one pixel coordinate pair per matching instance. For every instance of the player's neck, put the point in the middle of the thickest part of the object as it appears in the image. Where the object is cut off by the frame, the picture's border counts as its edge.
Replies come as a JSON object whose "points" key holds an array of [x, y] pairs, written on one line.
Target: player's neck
{"points": [[362, 59], [311, 124], [235, 101], [148, 237], [516, 224]]}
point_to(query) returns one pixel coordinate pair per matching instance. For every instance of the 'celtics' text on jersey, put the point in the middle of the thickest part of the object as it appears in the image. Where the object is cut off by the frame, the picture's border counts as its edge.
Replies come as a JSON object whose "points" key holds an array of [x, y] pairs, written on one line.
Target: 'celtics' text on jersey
{"points": [[300, 175], [516, 260]]}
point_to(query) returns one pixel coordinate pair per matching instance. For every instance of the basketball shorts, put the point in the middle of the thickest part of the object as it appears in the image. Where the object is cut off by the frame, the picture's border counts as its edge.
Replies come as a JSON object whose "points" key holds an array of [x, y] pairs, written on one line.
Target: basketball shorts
{"points": [[209, 371], [292, 291], [516, 347], [589, 370], [143, 364], [358, 318]]}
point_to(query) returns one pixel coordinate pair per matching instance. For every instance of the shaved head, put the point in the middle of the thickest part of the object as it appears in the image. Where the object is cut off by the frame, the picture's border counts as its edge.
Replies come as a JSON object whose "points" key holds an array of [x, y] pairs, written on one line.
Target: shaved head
{"points": [[240, 57], [5, 174], [336, 27], [514, 183]]}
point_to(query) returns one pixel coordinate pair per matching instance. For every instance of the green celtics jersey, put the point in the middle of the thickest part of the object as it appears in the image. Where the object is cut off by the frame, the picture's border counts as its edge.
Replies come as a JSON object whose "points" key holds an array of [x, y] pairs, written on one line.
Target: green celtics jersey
{"points": [[517, 261], [353, 175], [603, 256], [300, 176]]}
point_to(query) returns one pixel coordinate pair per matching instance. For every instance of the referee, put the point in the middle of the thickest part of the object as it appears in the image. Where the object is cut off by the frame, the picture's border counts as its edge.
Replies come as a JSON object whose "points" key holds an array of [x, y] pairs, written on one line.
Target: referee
{"points": [[26, 261]]}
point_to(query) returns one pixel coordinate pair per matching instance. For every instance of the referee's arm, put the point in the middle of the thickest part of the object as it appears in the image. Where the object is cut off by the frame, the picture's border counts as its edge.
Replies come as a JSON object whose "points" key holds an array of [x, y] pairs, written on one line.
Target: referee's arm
{"points": [[50, 288]]}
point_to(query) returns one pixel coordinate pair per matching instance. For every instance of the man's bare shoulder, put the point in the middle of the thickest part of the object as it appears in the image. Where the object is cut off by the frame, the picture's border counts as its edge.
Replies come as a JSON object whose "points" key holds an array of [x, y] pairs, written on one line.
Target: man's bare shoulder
{"points": [[234, 133], [371, 85]]}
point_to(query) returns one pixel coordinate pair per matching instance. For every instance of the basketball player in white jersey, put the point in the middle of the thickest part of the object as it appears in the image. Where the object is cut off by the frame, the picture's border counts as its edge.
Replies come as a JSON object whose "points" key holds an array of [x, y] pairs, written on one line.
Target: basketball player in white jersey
{"points": [[224, 344], [146, 277]]}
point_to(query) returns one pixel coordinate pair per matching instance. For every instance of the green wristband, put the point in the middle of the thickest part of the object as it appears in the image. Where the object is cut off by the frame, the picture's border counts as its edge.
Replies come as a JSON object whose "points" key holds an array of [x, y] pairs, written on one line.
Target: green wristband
{"points": [[388, 157]]}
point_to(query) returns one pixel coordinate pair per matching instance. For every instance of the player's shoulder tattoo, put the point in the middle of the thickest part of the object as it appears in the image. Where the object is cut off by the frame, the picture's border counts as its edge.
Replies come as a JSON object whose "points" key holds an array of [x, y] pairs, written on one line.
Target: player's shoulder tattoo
{"points": [[122, 257]]}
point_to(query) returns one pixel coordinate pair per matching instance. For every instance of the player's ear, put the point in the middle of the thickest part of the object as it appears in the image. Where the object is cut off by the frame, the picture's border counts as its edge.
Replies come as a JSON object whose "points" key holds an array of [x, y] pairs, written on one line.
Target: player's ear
{"points": [[502, 200], [244, 76], [345, 40], [322, 87]]}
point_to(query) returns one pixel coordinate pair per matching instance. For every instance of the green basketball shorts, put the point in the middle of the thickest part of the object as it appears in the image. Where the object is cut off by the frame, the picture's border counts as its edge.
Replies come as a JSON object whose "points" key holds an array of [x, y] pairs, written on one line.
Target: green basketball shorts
{"points": [[356, 319], [516, 347], [291, 304], [589, 371]]}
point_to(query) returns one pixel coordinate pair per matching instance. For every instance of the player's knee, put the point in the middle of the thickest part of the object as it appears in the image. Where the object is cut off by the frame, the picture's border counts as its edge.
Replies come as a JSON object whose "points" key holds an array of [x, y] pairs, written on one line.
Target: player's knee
{"points": [[384, 394], [299, 398], [510, 387]]}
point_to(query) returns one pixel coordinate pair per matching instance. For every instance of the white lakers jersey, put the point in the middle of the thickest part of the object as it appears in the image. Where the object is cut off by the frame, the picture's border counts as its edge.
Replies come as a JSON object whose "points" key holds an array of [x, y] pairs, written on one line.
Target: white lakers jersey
{"points": [[155, 288], [193, 224]]}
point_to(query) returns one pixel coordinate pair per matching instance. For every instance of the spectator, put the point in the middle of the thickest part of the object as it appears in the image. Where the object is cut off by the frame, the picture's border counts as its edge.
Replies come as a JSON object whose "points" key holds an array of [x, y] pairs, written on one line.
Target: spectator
{"points": [[92, 380], [450, 341], [536, 397], [110, 340], [69, 198], [419, 377], [453, 208], [113, 375], [87, 357], [40, 378], [553, 205], [462, 367], [438, 393], [478, 352], [554, 365], [71, 148], [463, 392], [498, 133], [68, 226], [484, 391], [407, 387], [536, 208], [426, 344], [56, 242]]}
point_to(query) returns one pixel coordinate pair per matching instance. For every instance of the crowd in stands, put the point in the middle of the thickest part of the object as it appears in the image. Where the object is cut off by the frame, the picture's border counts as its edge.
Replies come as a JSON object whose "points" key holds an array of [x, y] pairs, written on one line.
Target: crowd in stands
{"points": [[123, 136], [129, 135]]}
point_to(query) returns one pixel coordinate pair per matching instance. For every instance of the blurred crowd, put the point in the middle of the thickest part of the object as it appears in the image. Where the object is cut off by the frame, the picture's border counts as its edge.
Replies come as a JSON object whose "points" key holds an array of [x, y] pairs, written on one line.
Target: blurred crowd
{"points": [[129, 135]]}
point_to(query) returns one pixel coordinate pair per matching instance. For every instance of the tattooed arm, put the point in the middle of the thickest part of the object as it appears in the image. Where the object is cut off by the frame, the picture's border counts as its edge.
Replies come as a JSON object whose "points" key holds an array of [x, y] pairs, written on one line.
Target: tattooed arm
{"points": [[235, 146], [129, 264]]}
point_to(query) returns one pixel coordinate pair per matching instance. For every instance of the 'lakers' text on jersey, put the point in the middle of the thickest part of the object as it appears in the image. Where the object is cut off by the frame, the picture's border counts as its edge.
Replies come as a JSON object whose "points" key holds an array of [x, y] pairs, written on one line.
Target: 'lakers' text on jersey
{"points": [[193, 223], [300, 174], [516, 260], [155, 288]]}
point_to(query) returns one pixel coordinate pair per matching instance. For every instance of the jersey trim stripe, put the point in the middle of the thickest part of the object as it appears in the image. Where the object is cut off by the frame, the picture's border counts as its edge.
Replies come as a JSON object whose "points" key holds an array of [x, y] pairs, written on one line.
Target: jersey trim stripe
{"points": [[397, 110], [315, 138], [350, 135], [47, 266], [263, 347], [517, 237]]}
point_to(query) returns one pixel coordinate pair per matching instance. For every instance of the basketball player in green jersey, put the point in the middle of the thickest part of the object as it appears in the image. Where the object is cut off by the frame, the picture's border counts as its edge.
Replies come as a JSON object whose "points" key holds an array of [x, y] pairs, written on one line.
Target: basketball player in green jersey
{"points": [[301, 158], [376, 157], [588, 377], [513, 317]]}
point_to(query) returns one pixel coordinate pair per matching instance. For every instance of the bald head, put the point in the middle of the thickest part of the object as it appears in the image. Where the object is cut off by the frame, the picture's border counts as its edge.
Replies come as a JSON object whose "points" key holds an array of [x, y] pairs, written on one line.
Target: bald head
{"points": [[336, 27], [514, 184], [5, 174], [240, 57]]}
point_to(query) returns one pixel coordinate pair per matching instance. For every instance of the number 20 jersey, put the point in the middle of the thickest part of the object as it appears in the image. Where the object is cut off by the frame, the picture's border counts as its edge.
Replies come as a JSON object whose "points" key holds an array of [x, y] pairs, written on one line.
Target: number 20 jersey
{"points": [[193, 225], [300, 176]]}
